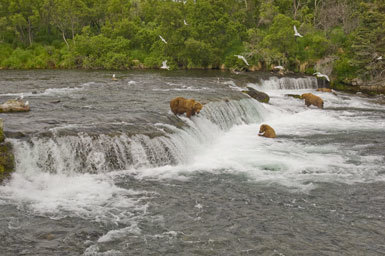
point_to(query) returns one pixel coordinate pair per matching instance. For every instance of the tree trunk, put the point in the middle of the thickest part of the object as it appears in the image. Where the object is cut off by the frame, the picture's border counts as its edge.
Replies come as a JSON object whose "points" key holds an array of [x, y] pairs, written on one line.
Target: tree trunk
{"points": [[65, 40], [30, 32]]}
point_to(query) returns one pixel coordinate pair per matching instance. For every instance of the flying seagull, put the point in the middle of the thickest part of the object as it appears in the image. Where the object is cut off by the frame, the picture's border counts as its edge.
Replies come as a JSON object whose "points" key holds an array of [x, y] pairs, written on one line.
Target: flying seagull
{"points": [[184, 21], [163, 39], [164, 65], [318, 74], [296, 32], [379, 58], [242, 58]]}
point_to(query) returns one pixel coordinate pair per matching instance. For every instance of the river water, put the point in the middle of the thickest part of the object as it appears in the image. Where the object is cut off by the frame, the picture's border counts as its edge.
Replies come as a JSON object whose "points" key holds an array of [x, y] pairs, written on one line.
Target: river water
{"points": [[104, 168]]}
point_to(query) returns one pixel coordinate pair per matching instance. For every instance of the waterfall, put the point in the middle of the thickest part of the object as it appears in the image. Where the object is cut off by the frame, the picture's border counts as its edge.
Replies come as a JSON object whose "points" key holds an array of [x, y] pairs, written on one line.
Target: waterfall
{"points": [[94, 154], [288, 83]]}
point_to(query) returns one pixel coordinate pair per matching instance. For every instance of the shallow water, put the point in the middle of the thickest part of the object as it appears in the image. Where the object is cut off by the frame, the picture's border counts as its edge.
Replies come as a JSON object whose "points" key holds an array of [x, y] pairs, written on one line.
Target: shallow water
{"points": [[105, 168]]}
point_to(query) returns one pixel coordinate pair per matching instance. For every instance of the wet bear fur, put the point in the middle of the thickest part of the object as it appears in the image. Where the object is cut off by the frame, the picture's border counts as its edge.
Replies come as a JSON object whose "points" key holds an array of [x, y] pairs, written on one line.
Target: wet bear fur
{"points": [[311, 99], [181, 105], [267, 131]]}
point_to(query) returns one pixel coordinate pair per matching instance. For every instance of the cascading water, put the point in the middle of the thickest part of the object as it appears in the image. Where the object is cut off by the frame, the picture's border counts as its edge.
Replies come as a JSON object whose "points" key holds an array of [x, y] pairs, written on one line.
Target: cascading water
{"points": [[109, 170], [92, 154], [289, 83]]}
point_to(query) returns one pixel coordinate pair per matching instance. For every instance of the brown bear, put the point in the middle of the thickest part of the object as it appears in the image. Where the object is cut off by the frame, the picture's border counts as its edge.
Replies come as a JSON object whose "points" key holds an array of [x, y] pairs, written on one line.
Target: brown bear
{"points": [[181, 105], [311, 99], [267, 131], [324, 90]]}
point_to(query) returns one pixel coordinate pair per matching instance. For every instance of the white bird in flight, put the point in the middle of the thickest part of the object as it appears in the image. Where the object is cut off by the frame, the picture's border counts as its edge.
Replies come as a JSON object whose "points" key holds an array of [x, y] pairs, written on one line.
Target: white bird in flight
{"points": [[296, 32], [318, 74], [163, 39], [184, 21], [164, 65], [242, 58], [379, 58]]}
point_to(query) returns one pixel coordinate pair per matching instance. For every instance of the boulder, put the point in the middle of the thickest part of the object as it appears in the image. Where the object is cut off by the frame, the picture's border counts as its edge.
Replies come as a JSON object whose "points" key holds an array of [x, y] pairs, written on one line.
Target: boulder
{"points": [[14, 106], [259, 96]]}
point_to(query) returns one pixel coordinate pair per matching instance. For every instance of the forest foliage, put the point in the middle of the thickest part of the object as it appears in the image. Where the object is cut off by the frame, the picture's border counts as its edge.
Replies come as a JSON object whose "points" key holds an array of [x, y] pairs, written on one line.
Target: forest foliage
{"points": [[125, 34]]}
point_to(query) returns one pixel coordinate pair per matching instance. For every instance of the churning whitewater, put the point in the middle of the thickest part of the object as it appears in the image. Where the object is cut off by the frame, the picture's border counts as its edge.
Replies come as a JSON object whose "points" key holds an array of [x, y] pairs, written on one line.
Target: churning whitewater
{"points": [[110, 158]]}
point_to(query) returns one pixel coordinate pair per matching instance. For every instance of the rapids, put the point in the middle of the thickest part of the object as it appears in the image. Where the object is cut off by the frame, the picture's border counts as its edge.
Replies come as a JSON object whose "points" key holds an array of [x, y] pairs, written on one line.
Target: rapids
{"points": [[105, 168]]}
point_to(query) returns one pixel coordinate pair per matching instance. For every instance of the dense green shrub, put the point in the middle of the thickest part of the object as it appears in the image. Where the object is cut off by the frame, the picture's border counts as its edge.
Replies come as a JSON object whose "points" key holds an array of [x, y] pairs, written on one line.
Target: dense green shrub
{"points": [[118, 34]]}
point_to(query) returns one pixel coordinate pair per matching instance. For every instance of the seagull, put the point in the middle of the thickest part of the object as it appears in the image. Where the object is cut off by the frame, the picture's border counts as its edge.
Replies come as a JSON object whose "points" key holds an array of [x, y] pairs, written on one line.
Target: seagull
{"points": [[163, 39], [318, 74], [114, 78], [164, 65], [379, 58], [242, 58], [296, 32], [184, 21]]}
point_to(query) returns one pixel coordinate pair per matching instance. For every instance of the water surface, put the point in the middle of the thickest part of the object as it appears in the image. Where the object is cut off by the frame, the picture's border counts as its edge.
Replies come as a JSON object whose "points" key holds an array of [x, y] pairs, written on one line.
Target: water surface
{"points": [[105, 168]]}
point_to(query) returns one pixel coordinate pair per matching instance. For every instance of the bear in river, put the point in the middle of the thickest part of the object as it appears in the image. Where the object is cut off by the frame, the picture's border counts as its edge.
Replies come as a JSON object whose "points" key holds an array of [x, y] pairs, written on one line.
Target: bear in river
{"points": [[311, 99], [181, 105], [267, 131]]}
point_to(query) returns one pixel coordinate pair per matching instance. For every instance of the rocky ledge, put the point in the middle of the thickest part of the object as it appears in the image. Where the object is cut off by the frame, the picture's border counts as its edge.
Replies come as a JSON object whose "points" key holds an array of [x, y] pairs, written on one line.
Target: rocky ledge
{"points": [[7, 160]]}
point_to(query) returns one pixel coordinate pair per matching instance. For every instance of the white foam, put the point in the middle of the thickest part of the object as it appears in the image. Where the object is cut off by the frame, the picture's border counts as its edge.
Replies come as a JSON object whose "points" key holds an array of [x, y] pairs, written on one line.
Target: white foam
{"points": [[286, 160], [118, 234], [51, 91], [86, 196]]}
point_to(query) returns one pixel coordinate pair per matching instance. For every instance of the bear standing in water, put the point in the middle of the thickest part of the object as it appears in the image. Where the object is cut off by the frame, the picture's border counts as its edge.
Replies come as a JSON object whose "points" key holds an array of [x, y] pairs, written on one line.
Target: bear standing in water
{"points": [[311, 99], [181, 105], [267, 131]]}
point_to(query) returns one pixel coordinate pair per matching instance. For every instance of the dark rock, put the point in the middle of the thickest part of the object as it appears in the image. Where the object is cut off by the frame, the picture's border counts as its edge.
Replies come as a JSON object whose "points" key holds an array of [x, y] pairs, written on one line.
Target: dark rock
{"points": [[259, 96], [297, 96], [7, 161], [322, 82]]}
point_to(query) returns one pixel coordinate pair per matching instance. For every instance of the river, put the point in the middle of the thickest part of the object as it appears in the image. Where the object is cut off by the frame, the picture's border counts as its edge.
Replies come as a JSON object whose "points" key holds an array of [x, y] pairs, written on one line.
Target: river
{"points": [[103, 167]]}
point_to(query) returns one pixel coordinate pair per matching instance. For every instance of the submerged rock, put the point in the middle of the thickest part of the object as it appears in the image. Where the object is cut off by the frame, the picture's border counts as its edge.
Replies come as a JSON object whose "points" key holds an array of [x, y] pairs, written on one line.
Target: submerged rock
{"points": [[259, 96], [7, 161], [297, 96], [14, 106]]}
